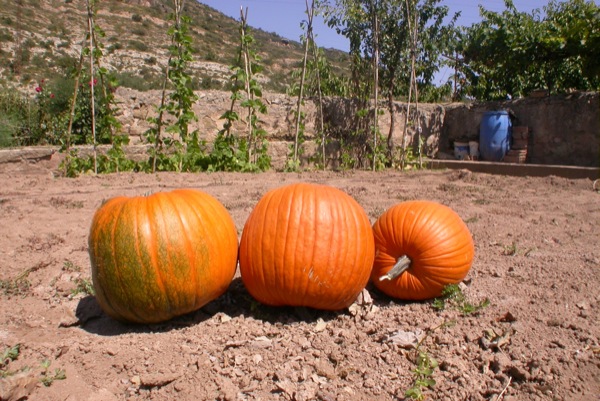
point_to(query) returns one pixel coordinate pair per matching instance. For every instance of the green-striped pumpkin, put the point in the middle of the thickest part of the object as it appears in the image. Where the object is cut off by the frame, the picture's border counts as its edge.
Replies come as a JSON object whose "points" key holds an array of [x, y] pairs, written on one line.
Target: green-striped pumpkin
{"points": [[159, 256]]}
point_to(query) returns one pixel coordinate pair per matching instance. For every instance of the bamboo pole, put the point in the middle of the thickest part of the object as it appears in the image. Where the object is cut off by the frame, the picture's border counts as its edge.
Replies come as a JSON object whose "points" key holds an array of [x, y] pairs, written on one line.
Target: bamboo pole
{"points": [[103, 88], [376, 79], [178, 11], [93, 109], [73, 102], [159, 120], [415, 37], [320, 105], [309, 13], [248, 72], [410, 87]]}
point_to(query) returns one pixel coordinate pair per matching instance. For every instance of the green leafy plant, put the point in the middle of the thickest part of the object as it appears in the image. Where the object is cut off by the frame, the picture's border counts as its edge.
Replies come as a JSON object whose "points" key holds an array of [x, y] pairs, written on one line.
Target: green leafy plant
{"points": [[47, 377], [554, 49], [15, 116], [246, 71], [17, 286], [83, 286], [296, 150], [69, 266], [378, 152], [426, 365], [92, 108], [8, 355], [79, 108], [180, 149], [510, 250], [452, 296], [233, 152], [347, 159], [32, 121]]}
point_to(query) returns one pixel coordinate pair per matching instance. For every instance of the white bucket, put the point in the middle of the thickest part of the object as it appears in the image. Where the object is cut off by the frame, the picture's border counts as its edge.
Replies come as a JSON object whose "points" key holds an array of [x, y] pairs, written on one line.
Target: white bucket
{"points": [[474, 149], [461, 150]]}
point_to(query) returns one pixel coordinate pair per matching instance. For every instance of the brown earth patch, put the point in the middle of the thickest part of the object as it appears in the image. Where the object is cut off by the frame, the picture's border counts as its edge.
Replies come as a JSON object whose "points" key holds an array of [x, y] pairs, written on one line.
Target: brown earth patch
{"points": [[537, 261]]}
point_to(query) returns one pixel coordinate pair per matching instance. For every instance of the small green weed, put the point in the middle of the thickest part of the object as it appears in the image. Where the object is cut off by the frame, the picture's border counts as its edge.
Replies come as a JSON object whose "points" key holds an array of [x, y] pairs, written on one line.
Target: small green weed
{"points": [[426, 365], [473, 219], [17, 286], [12, 353], [49, 377], [69, 266], [510, 250], [60, 202], [453, 296], [84, 286], [8, 355], [20, 285]]}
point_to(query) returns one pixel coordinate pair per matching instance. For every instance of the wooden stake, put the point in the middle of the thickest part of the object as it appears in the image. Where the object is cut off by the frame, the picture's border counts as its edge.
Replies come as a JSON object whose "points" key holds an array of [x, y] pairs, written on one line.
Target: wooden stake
{"points": [[93, 109], [309, 13], [376, 79]]}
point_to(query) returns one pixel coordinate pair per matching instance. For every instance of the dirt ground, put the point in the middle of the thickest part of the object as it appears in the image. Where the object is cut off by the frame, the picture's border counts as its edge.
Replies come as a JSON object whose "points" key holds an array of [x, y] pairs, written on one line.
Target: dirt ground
{"points": [[537, 260]]}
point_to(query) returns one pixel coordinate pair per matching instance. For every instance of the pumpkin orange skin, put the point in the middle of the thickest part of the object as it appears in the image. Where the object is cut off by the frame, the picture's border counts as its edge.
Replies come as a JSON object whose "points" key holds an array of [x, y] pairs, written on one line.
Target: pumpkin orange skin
{"points": [[306, 245], [435, 239], [159, 256]]}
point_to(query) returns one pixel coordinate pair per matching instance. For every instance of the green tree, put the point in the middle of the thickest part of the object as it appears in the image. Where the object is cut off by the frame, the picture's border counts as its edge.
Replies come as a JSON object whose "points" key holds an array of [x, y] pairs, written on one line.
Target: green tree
{"points": [[509, 54], [357, 21], [414, 35], [351, 19], [406, 38]]}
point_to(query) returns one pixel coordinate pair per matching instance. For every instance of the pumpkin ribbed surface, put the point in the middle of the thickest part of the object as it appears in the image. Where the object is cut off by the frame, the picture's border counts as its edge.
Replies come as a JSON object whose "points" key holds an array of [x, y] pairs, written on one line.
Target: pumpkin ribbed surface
{"points": [[436, 241], [160, 256], [306, 245]]}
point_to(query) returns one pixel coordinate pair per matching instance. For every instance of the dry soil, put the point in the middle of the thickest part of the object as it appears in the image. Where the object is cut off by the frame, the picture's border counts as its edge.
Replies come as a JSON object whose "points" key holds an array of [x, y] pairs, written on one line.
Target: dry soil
{"points": [[537, 261]]}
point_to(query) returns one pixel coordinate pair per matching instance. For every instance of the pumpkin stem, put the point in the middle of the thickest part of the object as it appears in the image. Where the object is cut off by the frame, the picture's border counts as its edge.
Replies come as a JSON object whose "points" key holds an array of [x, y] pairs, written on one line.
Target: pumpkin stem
{"points": [[402, 264]]}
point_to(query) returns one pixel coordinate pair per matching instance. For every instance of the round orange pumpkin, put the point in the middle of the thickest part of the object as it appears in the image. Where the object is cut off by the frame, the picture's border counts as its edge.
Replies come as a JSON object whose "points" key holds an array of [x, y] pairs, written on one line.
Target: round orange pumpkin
{"points": [[159, 256], [420, 247], [306, 245]]}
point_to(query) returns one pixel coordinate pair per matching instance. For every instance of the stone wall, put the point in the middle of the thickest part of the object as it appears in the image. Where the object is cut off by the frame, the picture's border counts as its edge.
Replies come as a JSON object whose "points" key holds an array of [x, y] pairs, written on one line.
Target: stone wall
{"points": [[280, 122], [565, 129]]}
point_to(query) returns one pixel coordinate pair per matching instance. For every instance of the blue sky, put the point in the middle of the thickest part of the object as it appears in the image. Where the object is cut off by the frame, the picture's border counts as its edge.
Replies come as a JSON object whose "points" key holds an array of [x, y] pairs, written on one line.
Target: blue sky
{"points": [[284, 16]]}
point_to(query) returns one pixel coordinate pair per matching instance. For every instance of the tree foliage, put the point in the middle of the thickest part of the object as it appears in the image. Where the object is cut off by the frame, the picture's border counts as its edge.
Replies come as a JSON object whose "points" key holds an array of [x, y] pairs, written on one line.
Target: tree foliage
{"points": [[434, 32], [405, 39], [512, 53], [353, 19]]}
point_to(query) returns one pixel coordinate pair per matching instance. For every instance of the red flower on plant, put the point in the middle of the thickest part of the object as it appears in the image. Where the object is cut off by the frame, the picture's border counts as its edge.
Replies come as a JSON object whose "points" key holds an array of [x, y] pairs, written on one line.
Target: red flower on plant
{"points": [[38, 89], [93, 82], [52, 96]]}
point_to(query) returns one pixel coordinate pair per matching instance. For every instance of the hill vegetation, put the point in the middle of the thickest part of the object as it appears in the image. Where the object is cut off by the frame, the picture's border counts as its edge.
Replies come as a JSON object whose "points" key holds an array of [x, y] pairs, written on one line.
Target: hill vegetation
{"points": [[42, 39]]}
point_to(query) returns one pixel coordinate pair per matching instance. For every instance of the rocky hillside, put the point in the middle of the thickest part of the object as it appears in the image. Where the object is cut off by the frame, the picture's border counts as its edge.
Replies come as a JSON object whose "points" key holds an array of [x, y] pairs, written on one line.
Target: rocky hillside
{"points": [[41, 38]]}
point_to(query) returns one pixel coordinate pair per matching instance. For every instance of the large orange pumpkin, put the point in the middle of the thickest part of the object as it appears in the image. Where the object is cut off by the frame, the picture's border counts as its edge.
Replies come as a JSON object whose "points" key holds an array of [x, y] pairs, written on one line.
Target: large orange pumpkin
{"points": [[420, 247], [306, 245], [159, 256]]}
